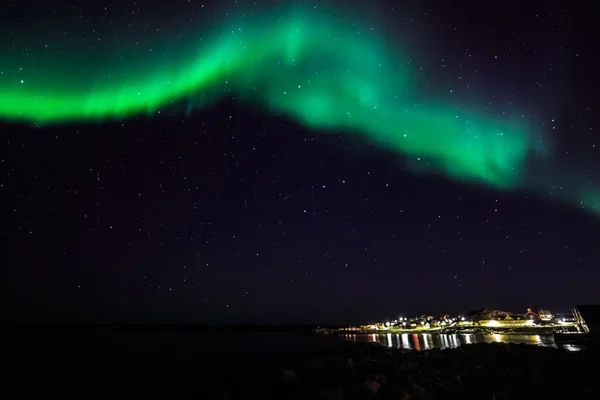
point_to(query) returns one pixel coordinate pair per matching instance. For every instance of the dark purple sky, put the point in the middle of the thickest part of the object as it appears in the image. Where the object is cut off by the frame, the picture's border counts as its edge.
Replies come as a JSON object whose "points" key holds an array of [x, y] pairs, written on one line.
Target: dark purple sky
{"points": [[252, 218]]}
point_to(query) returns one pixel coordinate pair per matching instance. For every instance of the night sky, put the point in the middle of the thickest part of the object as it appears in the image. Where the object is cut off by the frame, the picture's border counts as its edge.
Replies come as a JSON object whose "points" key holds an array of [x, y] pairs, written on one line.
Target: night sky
{"points": [[387, 159]]}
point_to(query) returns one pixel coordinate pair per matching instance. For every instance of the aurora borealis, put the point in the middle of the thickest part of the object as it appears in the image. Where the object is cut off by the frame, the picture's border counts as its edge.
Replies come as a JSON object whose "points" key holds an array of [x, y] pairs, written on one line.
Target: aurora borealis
{"points": [[320, 70], [294, 161]]}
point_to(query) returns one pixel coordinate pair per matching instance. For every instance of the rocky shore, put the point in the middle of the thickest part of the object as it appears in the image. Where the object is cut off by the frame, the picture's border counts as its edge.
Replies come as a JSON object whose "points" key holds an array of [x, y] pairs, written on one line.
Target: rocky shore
{"points": [[369, 371]]}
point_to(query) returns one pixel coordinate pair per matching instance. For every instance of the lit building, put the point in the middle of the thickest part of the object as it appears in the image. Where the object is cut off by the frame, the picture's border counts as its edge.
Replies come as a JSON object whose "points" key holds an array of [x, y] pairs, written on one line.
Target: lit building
{"points": [[351, 328], [370, 327], [499, 318], [545, 315], [531, 315], [507, 321]]}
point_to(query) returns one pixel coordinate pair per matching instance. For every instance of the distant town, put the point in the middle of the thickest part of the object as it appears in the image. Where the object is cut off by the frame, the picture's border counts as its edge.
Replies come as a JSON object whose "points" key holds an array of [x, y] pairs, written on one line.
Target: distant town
{"points": [[478, 321]]}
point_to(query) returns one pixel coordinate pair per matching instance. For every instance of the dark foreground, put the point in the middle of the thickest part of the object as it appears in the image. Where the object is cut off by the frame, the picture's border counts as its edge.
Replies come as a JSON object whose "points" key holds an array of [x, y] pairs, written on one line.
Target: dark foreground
{"points": [[479, 371], [189, 365]]}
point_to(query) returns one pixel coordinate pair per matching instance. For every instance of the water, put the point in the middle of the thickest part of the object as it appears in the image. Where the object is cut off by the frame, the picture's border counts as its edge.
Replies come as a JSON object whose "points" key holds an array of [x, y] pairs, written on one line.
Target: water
{"points": [[106, 347], [428, 341], [210, 350]]}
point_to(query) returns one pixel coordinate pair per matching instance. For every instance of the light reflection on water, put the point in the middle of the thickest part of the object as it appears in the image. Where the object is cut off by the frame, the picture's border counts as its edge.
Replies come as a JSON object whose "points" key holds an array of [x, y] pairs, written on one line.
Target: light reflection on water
{"points": [[427, 341]]}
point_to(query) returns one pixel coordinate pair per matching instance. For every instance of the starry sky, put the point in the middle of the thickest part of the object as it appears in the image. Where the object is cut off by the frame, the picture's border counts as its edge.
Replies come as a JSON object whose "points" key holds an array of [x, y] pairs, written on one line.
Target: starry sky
{"points": [[296, 162]]}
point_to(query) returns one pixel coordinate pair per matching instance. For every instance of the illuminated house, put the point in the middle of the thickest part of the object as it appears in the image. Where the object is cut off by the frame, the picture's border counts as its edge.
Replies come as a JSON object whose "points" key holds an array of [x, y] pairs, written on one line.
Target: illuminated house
{"points": [[351, 328], [531, 315], [370, 327], [545, 315], [499, 318], [507, 321]]}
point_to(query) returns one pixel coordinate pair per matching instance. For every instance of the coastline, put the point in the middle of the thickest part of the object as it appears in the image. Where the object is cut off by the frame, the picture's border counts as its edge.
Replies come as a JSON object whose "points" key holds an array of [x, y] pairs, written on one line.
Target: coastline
{"points": [[459, 331], [366, 370]]}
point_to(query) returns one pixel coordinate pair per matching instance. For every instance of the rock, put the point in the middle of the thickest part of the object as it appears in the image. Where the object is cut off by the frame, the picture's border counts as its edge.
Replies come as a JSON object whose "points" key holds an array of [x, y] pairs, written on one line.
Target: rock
{"points": [[421, 396], [288, 376], [335, 358], [457, 379], [362, 373], [335, 393], [419, 389], [319, 363], [372, 386], [380, 378], [535, 380]]}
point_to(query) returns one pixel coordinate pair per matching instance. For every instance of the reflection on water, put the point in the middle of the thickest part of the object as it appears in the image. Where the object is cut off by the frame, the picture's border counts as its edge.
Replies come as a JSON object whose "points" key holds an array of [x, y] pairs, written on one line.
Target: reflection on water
{"points": [[427, 341]]}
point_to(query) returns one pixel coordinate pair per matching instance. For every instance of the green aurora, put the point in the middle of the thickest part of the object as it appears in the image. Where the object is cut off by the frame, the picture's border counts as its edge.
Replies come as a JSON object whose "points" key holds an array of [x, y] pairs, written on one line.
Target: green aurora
{"points": [[320, 70]]}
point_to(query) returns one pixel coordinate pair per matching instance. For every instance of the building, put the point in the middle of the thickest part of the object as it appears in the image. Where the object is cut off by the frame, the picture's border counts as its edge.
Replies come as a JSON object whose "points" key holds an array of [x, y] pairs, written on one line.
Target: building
{"points": [[351, 329], [506, 321], [531, 315], [545, 315], [499, 318]]}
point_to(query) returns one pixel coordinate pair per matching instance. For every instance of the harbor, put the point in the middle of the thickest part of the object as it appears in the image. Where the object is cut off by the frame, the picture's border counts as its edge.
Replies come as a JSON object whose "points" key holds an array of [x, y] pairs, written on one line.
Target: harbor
{"points": [[479, 326]]}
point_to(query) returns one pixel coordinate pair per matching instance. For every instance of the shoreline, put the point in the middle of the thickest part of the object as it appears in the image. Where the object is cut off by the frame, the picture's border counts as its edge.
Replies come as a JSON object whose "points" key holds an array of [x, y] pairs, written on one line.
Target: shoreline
{"points": [[546, 331], [475, 371]]}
